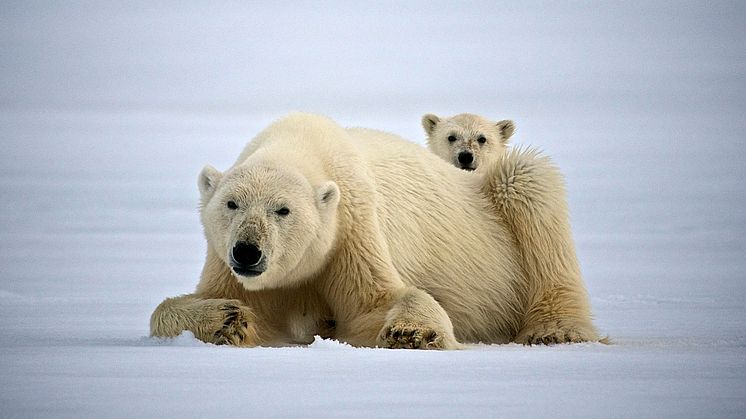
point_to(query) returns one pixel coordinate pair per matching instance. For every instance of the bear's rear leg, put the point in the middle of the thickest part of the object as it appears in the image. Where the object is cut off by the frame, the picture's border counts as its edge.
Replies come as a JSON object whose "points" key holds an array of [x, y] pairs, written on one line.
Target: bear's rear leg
{"points": [[528, 192], [561, 316]]}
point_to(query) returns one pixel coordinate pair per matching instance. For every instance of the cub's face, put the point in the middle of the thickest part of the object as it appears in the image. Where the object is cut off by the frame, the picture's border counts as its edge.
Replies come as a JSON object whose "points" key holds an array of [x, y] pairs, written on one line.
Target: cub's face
{"points": [[269, 225], [466, 140]]}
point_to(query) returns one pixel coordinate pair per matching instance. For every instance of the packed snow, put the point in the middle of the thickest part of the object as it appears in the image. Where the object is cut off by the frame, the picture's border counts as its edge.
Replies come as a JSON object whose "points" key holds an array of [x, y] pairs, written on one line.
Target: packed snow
{"points": [[108, 111]]}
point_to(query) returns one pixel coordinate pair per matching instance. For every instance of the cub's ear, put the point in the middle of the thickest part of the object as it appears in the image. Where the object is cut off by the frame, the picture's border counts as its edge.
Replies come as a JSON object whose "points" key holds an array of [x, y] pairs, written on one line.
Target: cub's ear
{"points": [[506, 129], [327, 195], [207, 182], [429, 121]]}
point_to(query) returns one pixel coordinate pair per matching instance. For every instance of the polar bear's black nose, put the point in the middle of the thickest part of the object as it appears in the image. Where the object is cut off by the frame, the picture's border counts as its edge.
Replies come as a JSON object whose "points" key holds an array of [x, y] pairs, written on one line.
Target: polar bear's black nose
{"points": [[246, 254], [465, 157]]}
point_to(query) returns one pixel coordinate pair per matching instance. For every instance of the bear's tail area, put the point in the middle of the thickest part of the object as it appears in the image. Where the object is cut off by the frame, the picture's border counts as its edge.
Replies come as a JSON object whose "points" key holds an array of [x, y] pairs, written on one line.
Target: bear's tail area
{"points": [[528, 191]]}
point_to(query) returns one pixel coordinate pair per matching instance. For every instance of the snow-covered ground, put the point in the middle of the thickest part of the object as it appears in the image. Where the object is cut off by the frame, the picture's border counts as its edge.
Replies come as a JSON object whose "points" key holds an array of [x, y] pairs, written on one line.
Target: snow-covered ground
{"points": [[109, 111]]}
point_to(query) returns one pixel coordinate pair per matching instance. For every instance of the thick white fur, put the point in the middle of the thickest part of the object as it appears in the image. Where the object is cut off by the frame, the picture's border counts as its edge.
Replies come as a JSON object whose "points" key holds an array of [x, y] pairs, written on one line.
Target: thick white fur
{"points": [[411, 253], [467, 129]]}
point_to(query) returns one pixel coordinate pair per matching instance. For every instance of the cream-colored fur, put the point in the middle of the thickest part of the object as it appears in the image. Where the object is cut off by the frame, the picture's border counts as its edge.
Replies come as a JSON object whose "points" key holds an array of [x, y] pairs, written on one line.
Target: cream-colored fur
{"points": [[384, 245], [467, 141]]}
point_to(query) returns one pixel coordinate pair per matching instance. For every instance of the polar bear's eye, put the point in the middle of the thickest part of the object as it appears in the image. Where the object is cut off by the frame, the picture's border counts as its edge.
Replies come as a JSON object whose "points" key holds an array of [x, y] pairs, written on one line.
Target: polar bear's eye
{"points": [[283, 211], [451, 138], [481, 139], [231, 205]]}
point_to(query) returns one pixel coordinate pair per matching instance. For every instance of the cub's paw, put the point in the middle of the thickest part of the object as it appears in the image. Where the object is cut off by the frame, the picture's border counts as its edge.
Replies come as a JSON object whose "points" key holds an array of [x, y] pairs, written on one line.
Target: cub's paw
{"points": [[555, 332], [409, 335]]}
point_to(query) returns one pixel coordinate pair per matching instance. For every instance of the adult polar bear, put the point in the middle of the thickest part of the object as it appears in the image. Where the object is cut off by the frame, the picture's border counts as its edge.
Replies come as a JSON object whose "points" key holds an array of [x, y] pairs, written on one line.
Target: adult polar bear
{"points": [[363, 236]]}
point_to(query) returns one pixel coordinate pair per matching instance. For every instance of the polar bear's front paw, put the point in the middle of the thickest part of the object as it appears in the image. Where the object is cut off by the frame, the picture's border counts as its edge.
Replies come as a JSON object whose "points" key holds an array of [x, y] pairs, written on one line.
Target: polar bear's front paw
{"points": [[407, 335], [234, 326], [555, 332]]}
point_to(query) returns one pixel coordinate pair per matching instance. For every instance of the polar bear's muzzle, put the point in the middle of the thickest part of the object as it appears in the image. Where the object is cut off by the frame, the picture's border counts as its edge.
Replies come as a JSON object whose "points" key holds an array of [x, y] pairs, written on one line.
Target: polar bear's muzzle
{"points": [[246, 259]]}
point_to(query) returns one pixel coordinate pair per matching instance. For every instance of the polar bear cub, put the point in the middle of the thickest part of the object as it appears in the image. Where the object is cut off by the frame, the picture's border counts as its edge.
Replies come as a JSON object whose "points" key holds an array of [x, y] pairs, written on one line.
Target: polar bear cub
{"points": [[466, 140]]}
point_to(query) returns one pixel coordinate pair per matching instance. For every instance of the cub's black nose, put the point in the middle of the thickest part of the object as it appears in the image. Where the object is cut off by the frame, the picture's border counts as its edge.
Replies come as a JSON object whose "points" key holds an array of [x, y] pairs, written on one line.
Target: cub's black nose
{"points": [[246, 254], [465, 157]]}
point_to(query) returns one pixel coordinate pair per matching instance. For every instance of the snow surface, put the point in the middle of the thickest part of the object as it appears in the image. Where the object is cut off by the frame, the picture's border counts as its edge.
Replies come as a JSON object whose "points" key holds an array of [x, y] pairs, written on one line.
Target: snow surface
{"points": [[109, 110]]}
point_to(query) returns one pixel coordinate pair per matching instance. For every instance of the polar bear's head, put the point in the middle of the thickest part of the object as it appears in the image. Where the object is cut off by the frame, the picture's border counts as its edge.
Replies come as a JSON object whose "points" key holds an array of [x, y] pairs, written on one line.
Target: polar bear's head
{"points": [[466, 140], [267, 222]]}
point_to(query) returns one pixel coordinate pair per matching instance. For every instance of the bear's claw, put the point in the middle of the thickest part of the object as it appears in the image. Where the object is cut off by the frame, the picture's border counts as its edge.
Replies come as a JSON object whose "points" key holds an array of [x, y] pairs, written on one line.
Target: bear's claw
{"points": [[402, 336], [235, 329], [552, 334]]}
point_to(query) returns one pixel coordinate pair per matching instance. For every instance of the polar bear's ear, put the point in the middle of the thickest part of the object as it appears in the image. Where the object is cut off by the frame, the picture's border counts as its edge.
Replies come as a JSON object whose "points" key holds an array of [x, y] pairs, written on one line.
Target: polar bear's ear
{"points": [[208, 181], [506, 129], [429, 121], [327, 195]]}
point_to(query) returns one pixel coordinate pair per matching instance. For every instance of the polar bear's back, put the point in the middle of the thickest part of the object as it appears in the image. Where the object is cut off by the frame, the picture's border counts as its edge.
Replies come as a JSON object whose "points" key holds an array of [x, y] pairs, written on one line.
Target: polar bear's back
{"points": [[459, 240]]}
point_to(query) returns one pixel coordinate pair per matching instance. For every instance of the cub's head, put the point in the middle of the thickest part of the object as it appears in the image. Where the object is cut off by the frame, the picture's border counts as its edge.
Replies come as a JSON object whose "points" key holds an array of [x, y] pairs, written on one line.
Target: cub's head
{"points": [[267, 223], [466, 140]]}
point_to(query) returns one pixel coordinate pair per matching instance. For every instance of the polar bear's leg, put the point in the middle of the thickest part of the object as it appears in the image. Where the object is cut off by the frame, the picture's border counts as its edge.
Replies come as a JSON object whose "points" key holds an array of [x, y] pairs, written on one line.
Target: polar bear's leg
{"points": [[529, 194], [371, 303], [407, 318], [214, 320], [406, 325]]}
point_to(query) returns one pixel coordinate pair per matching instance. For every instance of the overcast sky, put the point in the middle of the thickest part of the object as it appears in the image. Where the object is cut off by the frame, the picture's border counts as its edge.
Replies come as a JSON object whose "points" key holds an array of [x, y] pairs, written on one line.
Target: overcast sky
{"points": [[387, 56]]}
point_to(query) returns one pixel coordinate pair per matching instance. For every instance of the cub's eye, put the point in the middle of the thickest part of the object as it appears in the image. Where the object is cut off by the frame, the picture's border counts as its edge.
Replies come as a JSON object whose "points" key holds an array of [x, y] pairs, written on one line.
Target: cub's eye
{"points": [[283, 211], [481, 139], [451, 138], [231, 205]]}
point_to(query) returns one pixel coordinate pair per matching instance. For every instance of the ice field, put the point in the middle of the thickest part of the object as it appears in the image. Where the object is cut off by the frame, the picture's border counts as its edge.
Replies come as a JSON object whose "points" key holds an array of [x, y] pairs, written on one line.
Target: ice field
{"points": [[109, 111]]}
